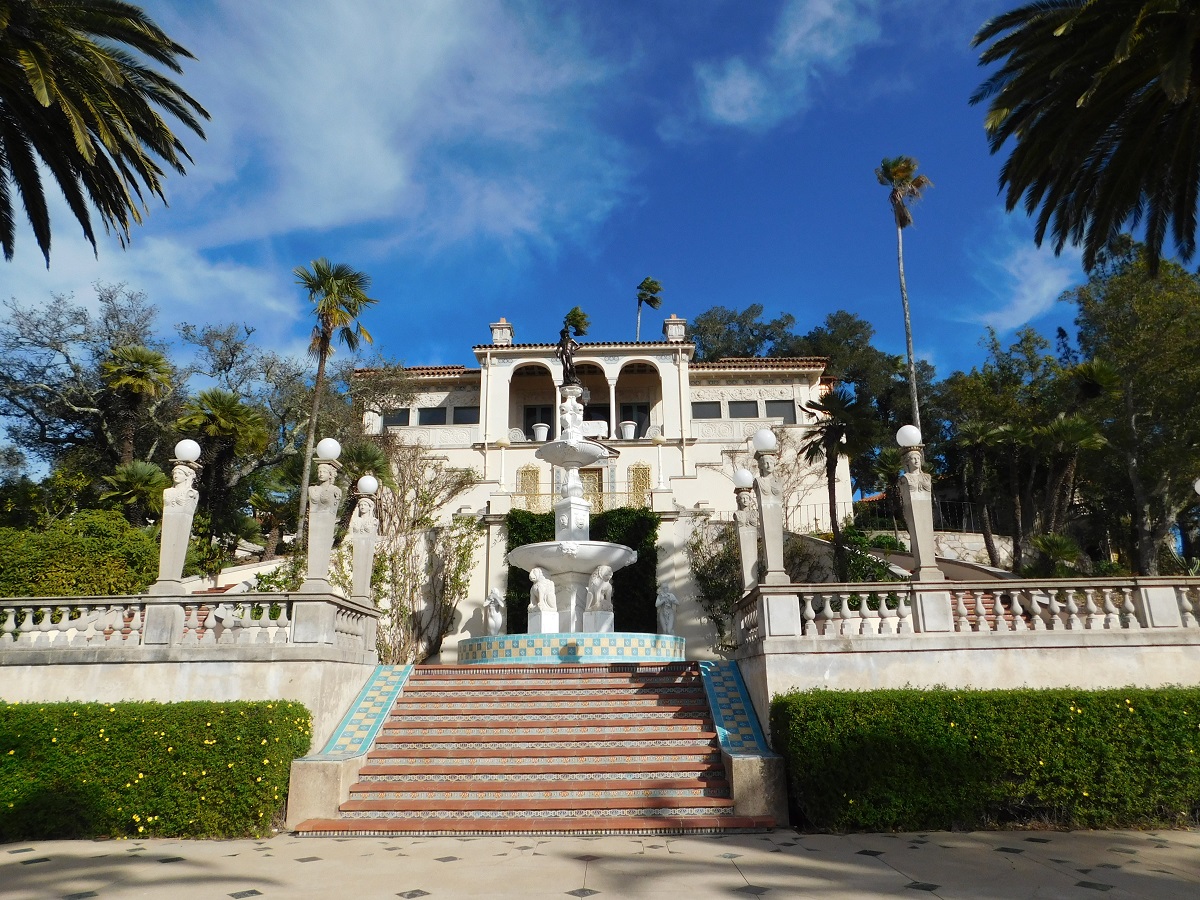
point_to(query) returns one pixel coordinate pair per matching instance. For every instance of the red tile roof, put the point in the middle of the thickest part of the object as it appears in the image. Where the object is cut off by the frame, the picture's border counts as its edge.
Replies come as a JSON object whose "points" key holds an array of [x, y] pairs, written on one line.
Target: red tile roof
{"points": [[764, 362]]}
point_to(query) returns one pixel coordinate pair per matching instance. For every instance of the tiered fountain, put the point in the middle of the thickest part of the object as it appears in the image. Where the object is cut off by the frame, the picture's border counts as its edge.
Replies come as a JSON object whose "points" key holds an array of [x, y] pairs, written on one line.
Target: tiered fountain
{"points": [[571, 558]]}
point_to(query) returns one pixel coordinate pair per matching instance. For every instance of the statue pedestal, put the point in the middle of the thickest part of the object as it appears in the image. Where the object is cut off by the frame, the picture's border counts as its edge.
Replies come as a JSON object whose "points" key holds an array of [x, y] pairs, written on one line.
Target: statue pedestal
{"points": [[543, 621], [598, 621], [572, 519]]}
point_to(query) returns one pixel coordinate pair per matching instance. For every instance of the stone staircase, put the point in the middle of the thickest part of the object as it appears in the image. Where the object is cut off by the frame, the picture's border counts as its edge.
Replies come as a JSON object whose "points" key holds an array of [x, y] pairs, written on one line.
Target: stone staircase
{"points": [[548, 749]]}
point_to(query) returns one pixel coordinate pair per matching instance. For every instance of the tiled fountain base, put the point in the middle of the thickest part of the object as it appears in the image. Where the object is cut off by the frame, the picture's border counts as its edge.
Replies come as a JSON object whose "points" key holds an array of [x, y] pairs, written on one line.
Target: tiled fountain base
{"points": [[554, 748], [577, 647]]}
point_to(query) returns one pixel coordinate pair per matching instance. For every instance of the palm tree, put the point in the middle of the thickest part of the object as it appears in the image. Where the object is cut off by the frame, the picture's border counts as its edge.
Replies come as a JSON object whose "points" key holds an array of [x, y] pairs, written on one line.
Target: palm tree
{"points": [[137, 376], [1103, 105], [138, 486], [359, 459], [648, 292], [78, 104], [339, 295], [899, 175], [840, 423]]}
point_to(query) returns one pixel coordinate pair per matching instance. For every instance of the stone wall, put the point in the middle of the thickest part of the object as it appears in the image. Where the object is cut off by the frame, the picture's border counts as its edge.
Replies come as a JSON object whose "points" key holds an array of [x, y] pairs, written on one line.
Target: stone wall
{"points": [[967, 546]]}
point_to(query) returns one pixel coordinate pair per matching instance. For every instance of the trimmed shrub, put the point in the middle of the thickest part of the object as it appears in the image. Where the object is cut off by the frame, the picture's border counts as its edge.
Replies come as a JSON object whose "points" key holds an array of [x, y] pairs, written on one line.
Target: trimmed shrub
{"points": [[195, 769], [914, 760], [95, 552]]}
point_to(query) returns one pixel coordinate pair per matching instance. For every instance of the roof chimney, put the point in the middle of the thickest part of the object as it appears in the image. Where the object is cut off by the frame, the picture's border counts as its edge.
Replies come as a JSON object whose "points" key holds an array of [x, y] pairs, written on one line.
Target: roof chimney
{"points": [[502, 333], [673, 329]]}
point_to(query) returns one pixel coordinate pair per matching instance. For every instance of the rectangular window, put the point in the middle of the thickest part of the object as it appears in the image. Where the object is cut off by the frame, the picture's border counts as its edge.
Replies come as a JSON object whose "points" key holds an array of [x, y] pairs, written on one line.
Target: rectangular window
{"points": [[395, 418], [706, 409], [782, 409], [636, 412], [743, 409], [595, 412], [537, 415], [466, 415], [431, 415]]}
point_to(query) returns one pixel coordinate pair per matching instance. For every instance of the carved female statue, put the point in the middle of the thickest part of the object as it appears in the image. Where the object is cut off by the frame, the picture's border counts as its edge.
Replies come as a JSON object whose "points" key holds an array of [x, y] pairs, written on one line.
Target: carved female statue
{"points": [[363, 520], [665, 604], [541, 595], [493, 612], [182, 496]]}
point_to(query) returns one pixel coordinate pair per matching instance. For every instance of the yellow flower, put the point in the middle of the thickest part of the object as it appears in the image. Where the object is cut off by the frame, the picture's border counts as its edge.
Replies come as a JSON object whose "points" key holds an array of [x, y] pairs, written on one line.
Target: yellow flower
{"points": [[1085, 793], [141, 829]]}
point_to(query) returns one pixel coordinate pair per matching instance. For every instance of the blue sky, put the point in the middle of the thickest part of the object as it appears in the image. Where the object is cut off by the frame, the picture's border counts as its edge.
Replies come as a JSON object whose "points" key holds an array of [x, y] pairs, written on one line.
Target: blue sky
{"points": [[483, 159]]}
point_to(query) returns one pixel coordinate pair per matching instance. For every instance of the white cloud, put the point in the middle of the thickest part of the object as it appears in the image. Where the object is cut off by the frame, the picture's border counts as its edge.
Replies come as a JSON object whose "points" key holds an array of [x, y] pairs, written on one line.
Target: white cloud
{"points": [[1025, 279], [811, 39]]}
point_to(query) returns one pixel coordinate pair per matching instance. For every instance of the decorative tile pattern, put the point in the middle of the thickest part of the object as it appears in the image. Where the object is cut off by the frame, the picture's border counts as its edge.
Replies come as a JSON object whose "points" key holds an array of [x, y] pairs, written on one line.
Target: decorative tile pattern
{"points": [[733, 713], [366, 716], [526, 649]]}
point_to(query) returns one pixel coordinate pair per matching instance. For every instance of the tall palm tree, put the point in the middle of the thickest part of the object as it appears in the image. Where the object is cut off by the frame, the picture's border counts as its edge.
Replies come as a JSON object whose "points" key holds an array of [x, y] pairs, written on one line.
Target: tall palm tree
{"points": [[339, 296], [648, 292], [839, 426], [899, 175], [78, 103], [137, 376], [1102, 102]]}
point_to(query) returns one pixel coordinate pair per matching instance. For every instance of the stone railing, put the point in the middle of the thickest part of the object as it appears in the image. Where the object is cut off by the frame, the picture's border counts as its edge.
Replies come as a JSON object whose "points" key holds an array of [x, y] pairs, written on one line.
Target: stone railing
{"points": [[112, 623], [821, 611]]}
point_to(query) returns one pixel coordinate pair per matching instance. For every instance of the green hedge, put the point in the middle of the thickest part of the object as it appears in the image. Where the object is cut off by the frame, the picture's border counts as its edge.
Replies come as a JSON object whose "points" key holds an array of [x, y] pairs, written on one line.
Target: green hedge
{"points": [[196, 769], [911, 760], [635, 587], [95, 552]]}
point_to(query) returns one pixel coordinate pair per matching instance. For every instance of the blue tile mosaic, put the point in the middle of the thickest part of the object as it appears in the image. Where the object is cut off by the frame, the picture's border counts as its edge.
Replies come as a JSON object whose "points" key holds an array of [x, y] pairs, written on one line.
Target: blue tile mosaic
{"points": [[733, 713], [572, 648], [367, 714]]}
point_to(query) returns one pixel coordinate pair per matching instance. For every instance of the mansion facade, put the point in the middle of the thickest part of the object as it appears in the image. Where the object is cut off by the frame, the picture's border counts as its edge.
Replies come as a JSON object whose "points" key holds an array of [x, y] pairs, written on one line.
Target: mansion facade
{"points": [[676, 429]]}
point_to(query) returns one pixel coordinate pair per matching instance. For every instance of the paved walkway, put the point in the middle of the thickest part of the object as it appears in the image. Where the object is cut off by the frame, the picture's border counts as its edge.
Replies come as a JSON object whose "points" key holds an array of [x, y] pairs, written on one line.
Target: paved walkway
{"points": [[1160, 865]]}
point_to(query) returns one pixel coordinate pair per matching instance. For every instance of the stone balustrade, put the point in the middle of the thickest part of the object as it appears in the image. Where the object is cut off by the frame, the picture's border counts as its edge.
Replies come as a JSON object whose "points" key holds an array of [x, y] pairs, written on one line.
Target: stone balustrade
{"points": [[113, 623], [824, 611]]}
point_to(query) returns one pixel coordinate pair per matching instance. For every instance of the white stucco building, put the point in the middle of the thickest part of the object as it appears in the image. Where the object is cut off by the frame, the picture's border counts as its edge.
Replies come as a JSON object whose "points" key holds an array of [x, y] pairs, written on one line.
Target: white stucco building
{"points": [[678, 428]]}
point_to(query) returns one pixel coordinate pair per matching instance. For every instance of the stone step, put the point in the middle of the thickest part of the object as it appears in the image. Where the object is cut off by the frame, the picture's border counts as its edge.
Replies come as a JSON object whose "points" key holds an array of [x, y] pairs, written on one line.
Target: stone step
{"points": [[566, 806], [538, 758], [545, 725], [558, 782], [621, 740], [666, 823], [406, 706]]}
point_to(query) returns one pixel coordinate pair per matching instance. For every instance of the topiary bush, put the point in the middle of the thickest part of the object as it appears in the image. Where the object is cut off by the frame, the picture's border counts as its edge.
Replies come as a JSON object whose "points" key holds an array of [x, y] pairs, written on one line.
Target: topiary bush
{"points": [[95, 552], [917, 760], [195, 769]]}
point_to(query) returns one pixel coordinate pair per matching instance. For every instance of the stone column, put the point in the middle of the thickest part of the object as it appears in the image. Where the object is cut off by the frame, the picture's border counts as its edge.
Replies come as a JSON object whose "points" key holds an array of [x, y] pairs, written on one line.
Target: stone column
{"points": [[769, 494], [179, 508], [323, 502], [612, 409], [364, 534]]}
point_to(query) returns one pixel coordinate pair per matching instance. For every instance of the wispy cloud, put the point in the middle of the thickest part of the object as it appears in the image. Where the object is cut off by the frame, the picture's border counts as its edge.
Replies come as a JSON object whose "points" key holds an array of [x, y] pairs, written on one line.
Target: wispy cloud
{"points": [[1024, 280], [811, 39]]}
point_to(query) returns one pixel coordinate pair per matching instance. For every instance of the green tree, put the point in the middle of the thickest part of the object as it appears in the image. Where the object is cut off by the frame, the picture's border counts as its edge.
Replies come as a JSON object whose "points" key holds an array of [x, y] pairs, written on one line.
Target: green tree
{"points": [[138, 377], [138, 486], [649, 292], [722, 333], [339, 296], [1102, 103], [899, 175], [838, 428], [79, 104]]}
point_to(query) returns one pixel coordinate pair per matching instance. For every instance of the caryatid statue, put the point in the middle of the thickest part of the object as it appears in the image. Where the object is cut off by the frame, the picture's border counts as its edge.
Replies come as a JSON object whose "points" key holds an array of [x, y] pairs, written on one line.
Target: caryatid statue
{"points": [[916, 494], [665, 604], [324, 498], [364, 536], [769, 494], [179, 508], [493, 612]]}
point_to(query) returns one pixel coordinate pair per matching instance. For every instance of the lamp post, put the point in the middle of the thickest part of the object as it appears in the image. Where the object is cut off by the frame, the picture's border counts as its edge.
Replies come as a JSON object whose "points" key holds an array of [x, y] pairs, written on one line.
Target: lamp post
{"points": [[364, 531], [323, 501], [658, 440], [769, 494], [747, 526], [503, 445], [179, 508], [931, 610]]}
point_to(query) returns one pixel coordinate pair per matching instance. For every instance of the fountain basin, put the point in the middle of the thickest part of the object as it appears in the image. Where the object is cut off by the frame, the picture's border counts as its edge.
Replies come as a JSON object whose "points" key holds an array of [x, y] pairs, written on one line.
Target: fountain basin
{"points": [[569, 564], [572, 453]]}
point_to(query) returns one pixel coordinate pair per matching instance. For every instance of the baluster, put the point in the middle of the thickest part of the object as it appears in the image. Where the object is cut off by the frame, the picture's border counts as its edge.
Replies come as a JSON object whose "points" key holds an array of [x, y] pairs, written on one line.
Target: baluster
{"points": [[904, 615], [1029, 601], [1187, 619], [63, 628], [282, 635], [961, 622], [870, 617], [1112, 621], [210, 625], [135, 626], [1093, 621], [83, 625], [230, 625], [847, 615], [809, 617], [1000, 623], [886, 615], [44, 627], [191, 624], [256, 629], [1053, 611], [827, 615], [1129, 617], [1018, 609], [981, 624], [1073, 623], [10, 625]]}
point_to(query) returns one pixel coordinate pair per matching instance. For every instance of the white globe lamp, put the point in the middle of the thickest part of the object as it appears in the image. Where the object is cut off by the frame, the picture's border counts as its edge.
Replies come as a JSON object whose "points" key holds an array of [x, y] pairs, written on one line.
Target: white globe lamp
{"points": [[1196, 485], [328, 450], [909, 436], [764, 441], [743, 478], [368, 484], [187, 450]]}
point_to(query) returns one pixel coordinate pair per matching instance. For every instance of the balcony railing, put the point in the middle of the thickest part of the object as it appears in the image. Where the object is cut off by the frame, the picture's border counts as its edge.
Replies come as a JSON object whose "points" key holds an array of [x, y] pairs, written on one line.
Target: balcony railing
{"points": [[622, 496]]}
